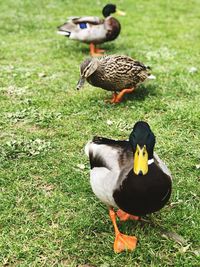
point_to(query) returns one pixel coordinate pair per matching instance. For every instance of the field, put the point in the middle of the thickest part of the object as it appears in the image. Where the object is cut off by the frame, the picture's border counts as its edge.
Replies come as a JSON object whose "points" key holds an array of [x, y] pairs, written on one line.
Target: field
{"points": [[48, 213]]}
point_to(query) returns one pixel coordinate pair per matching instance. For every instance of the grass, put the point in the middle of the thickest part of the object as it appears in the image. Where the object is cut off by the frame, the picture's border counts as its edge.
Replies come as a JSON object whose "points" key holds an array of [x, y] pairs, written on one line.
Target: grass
{"points": [[48, 213]]}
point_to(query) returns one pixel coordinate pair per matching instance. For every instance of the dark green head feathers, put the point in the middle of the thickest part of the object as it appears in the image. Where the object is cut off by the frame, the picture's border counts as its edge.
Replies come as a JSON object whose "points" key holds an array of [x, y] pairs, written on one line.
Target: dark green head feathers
{"points": [[108, 10], [142, 141], [142, 135]]}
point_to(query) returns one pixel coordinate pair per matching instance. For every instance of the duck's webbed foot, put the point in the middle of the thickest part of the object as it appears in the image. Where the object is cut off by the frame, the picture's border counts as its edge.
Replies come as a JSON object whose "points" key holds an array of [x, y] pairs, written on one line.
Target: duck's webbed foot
{"points": [[123, 216], [122, 242], [94, 51], [117, 98], [98, 50], [122, 93], [112, 100]]}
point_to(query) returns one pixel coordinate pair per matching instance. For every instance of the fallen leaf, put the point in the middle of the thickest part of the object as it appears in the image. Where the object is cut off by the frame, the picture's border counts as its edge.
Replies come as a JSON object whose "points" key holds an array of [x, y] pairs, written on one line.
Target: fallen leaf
{"points": [[196, 252], [176, 237], [104, 265], [183, 250], [48, 187], [41, 75], [81, 166]]}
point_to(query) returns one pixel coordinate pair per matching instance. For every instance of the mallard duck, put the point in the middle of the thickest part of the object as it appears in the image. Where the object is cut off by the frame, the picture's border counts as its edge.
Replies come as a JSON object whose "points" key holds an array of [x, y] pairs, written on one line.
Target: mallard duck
{"points": [[114, 73], [129, 176], [93, 30]]}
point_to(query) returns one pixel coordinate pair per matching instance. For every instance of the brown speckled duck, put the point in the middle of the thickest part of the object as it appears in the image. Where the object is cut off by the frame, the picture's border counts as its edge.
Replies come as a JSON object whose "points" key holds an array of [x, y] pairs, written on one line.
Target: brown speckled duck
{"points": [[129, 176], [93, 30], [114, 73]]}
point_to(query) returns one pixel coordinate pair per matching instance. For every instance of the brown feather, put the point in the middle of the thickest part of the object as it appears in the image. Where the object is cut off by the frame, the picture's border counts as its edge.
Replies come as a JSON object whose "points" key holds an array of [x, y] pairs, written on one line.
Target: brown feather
{"points": [[116, 72]]}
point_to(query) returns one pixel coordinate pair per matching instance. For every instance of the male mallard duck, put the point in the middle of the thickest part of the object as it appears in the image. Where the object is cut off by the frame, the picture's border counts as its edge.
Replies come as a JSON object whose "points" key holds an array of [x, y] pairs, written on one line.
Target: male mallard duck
{"points": [[128, 175], [93, 30], [114, 73]]}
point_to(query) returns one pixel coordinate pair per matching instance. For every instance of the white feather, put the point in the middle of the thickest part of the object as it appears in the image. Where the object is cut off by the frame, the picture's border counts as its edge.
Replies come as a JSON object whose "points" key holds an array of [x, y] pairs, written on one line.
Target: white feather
{"points": [[103, 183], [103, 180], [87, 148], [63, 33], [162, 165], [107, 153], [151, 77]]}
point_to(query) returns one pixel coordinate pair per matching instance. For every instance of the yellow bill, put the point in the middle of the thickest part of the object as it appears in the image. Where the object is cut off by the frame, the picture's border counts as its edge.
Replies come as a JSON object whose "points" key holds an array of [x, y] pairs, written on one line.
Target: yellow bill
{"points": [[120, 13], [140, 163]]}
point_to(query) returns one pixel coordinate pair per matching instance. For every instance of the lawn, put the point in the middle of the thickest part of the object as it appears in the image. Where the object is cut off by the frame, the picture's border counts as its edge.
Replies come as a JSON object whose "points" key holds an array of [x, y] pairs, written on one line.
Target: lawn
{"points": [[48, 213]]}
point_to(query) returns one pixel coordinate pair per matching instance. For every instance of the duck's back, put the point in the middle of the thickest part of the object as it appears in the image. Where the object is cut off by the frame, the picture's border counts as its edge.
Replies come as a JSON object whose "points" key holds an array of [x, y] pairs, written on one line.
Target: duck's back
{"points": [[116, 73]]}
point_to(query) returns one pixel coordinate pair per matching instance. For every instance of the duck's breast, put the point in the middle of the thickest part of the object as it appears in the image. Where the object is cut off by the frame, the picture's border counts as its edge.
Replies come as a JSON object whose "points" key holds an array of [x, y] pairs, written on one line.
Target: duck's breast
{"points": [[113, 28], [140, 195]]}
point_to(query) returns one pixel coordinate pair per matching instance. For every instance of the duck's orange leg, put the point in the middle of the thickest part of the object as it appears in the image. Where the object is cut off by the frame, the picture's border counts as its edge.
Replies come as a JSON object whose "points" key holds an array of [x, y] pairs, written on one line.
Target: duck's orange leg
{"points": [[98, 50], [114, 96], [122, 242], [122, 93], [95, 52], [125, 216]]}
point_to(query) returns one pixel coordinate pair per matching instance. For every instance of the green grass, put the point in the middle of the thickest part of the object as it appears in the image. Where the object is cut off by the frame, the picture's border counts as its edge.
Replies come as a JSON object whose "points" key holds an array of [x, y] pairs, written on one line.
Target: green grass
{"points": [[48, 213]]}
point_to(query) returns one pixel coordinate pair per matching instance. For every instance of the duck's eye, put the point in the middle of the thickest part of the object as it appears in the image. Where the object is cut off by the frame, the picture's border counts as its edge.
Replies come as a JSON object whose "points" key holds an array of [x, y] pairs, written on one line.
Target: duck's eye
{"points": [[138, 153], [143, 153], [83, 25]]}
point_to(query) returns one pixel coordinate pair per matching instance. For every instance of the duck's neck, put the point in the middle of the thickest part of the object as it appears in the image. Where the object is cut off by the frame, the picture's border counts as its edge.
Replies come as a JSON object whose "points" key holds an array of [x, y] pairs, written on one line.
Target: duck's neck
{"points": [[150, 161], [150, 158]]}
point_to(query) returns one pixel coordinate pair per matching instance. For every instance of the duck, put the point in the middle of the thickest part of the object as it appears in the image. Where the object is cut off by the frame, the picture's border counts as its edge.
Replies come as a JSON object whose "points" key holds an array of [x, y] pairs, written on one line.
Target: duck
{"points": [[117, 73], [93, 30], [128, 176]]}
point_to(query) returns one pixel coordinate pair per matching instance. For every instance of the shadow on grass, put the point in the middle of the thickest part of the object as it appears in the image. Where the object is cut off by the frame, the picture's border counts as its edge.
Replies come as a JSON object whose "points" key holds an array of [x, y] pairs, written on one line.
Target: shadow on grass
{"points": [[141, 93], [70, 47]]}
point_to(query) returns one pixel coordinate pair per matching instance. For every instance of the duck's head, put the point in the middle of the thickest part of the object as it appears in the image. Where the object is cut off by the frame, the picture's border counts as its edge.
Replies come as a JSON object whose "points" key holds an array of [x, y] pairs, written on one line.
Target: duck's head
{"points": [[110, 9], [142, 141], [87, 68]]}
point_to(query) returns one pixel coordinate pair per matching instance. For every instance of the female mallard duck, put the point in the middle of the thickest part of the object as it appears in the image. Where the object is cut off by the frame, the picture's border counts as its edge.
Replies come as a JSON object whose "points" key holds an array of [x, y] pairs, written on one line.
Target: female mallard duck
{"points": [[114, 73], [93, 30], [128, 175]]}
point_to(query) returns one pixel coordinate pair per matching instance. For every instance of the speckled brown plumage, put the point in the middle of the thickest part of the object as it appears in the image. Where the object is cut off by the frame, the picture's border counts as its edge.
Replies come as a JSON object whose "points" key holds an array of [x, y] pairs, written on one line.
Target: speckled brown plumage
{"points": [[115, 73]]}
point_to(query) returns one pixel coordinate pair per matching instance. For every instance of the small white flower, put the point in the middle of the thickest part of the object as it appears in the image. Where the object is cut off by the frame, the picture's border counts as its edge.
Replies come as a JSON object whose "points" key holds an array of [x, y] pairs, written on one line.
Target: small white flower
{"points": [[198, 166], [41, 75], [109, 122], [192, 70]]}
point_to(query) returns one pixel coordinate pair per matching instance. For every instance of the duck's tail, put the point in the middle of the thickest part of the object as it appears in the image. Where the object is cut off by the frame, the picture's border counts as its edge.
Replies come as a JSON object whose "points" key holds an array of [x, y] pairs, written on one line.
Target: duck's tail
{"points": [[64, 29], [151, 77], [148, 67]]}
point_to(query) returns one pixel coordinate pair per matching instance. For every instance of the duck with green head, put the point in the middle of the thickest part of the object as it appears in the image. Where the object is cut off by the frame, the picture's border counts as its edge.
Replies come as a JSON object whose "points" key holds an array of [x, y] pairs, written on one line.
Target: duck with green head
{"points": [[129, 176], [93, 30]]}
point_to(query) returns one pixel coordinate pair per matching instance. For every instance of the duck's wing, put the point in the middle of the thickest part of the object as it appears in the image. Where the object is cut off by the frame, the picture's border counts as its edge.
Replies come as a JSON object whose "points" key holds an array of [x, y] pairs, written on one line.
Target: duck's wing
{"points": [[84, 29], [86, 19], [126, 62], [129, 70], [111, 154], [109, 159], [162, 165]]}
